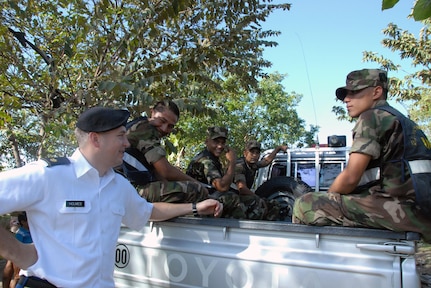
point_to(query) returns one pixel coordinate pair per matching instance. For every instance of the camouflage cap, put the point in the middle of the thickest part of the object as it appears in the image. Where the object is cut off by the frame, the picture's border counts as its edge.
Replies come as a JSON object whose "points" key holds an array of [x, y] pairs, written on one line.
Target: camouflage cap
{"points": [[360, 79], [101, 119], [252, 144], [217, 132]]}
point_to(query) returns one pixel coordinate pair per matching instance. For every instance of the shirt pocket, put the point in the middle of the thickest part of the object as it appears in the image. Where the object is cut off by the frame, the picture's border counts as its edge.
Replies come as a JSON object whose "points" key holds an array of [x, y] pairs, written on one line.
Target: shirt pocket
{"points": [[75, 224], [117, 210]]}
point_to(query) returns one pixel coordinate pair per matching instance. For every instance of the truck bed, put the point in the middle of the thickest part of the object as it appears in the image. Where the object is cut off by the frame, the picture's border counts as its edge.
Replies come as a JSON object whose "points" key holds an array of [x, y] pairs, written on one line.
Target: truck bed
{"points": [[297, 228]]}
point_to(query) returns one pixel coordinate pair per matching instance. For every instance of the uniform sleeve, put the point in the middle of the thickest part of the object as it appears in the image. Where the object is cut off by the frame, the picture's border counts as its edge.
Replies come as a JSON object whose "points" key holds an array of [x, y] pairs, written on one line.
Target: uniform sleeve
{"points": [[145, 138], [20, 188], [210, 170], [369, 130], [138, 210], [239, 173]]}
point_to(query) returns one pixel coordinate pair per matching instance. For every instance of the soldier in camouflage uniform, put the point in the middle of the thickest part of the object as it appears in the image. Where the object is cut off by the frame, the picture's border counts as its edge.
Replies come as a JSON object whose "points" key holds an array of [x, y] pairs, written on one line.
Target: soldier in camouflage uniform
{"points": [[245, 173], [247, 166], [375, 189], [207, 168], [166, 182]]}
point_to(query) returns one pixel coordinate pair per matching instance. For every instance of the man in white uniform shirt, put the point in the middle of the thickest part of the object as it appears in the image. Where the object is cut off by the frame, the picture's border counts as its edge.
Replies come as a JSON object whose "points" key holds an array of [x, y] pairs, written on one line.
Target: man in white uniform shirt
{"points": [[75, 207]]}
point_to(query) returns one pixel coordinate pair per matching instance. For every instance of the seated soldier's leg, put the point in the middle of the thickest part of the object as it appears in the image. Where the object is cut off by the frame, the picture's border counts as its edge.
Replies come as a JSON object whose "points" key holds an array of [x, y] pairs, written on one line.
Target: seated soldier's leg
{"points": [[193, 192], [150, 191], [173, 192], [353, 210], [255, 207], [275, 211], [318, 208], [232, 206]]}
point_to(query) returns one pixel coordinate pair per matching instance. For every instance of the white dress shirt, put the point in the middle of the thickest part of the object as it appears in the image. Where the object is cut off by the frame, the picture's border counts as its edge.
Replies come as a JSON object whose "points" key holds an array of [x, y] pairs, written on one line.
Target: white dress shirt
{"points": [[74, 217]]}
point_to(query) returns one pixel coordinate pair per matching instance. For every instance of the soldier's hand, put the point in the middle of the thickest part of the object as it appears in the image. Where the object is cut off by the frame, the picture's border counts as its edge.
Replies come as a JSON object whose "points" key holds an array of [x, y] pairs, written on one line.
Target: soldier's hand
{"points": [[230, 154]]}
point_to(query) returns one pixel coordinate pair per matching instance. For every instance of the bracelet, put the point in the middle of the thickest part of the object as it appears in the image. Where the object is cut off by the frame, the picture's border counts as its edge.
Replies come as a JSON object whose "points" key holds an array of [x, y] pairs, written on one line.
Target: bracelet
{"points": [[195, 210]]}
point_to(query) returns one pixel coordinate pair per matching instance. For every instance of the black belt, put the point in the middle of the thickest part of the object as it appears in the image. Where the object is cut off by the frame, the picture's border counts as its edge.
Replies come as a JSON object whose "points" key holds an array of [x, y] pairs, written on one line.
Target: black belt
{"points": [[33, 282]]}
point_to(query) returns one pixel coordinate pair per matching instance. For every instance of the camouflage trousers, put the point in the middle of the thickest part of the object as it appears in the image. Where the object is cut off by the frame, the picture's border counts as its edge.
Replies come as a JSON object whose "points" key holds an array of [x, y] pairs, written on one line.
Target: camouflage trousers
{"points": [[374, 210], [247, 206], [173, 192]]}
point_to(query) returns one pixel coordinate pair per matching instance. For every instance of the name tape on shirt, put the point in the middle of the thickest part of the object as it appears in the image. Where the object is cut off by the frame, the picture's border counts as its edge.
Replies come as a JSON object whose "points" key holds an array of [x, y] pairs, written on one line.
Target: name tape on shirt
{"points": [[75, 203]]}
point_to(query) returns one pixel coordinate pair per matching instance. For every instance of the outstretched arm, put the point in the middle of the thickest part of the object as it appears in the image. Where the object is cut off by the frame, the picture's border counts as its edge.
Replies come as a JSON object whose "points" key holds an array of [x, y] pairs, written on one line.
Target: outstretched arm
{"points": [[268, 158], [23, 255], [163, 211]]}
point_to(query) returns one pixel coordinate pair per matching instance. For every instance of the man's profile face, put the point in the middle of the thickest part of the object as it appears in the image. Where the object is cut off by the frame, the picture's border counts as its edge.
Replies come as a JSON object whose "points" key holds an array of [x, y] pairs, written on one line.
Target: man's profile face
{"points": [[113, 143]]}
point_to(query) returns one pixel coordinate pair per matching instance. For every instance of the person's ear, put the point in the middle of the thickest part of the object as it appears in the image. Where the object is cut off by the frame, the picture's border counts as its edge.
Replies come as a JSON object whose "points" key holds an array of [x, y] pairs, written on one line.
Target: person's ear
{"points": [[377, 92], [94, 138]]}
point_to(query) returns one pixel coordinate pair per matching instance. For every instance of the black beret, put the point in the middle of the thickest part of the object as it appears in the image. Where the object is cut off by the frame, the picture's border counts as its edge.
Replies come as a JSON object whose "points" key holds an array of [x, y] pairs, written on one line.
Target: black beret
{"points": [[101, 119]]}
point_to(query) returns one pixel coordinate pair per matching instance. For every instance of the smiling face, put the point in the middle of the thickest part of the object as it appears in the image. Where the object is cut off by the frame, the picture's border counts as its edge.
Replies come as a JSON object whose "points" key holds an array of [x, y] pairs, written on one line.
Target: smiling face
{"points": [[361, 100], [216, 146], [163, 120]]}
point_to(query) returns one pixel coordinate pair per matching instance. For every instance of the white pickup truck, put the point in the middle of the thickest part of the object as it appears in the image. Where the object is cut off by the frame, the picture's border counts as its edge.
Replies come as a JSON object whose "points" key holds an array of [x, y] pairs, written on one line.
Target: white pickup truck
{"points": [[208, 252]]}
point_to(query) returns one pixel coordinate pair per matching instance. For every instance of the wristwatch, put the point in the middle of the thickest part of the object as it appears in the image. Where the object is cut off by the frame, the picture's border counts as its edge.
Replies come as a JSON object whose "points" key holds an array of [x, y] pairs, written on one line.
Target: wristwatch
{"points": [[195, 210]]}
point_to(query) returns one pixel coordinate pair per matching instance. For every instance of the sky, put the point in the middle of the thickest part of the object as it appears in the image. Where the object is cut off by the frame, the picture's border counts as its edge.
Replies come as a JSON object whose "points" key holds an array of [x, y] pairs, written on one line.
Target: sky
{"points": [[321, 42]]}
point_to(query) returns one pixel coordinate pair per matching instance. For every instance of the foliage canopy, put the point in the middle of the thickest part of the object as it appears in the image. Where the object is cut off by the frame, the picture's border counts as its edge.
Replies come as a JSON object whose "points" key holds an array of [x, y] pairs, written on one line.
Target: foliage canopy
{"points": [[60, 57]]}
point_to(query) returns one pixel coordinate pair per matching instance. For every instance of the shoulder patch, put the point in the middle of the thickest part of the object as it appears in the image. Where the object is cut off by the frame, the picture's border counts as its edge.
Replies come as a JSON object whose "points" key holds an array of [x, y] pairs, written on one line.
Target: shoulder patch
{"points": [[54, 161]]}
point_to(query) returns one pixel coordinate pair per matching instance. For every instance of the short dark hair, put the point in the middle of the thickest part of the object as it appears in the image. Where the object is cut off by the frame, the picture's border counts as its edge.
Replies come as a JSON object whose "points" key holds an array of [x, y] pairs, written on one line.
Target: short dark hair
{"points": [[160, 106], [22, 217]]}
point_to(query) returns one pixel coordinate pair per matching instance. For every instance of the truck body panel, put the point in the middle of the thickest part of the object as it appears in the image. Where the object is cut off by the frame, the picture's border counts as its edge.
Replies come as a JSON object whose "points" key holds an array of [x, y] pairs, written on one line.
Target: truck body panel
{"points": [[207, 252]]}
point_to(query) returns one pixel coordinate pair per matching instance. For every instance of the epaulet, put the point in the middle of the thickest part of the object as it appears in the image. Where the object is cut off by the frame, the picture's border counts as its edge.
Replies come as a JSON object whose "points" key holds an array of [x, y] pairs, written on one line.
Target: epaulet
{"points": [[56, 161]]}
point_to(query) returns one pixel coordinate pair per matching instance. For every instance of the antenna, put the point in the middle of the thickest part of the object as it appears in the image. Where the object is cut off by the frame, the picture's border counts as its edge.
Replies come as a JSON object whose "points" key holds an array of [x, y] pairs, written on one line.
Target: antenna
{"points": [[309, 87]]}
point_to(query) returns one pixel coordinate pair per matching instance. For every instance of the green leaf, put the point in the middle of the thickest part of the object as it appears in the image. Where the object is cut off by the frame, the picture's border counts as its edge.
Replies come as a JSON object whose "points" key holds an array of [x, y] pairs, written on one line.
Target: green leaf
{"points": [[422, 10], [67, 48], [387, 4]]}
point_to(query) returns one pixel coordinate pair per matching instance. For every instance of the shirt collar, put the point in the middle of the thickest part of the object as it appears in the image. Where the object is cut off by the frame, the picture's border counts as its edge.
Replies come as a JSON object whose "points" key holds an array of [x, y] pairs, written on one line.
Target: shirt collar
{"points": [[82, 167], [81, 164]]}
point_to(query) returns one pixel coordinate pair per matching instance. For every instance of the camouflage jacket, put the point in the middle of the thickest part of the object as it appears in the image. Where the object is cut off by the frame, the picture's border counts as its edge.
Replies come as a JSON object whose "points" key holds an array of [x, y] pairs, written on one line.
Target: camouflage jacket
{"points": [[379, 134], [244, 172], [205, 167]]}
